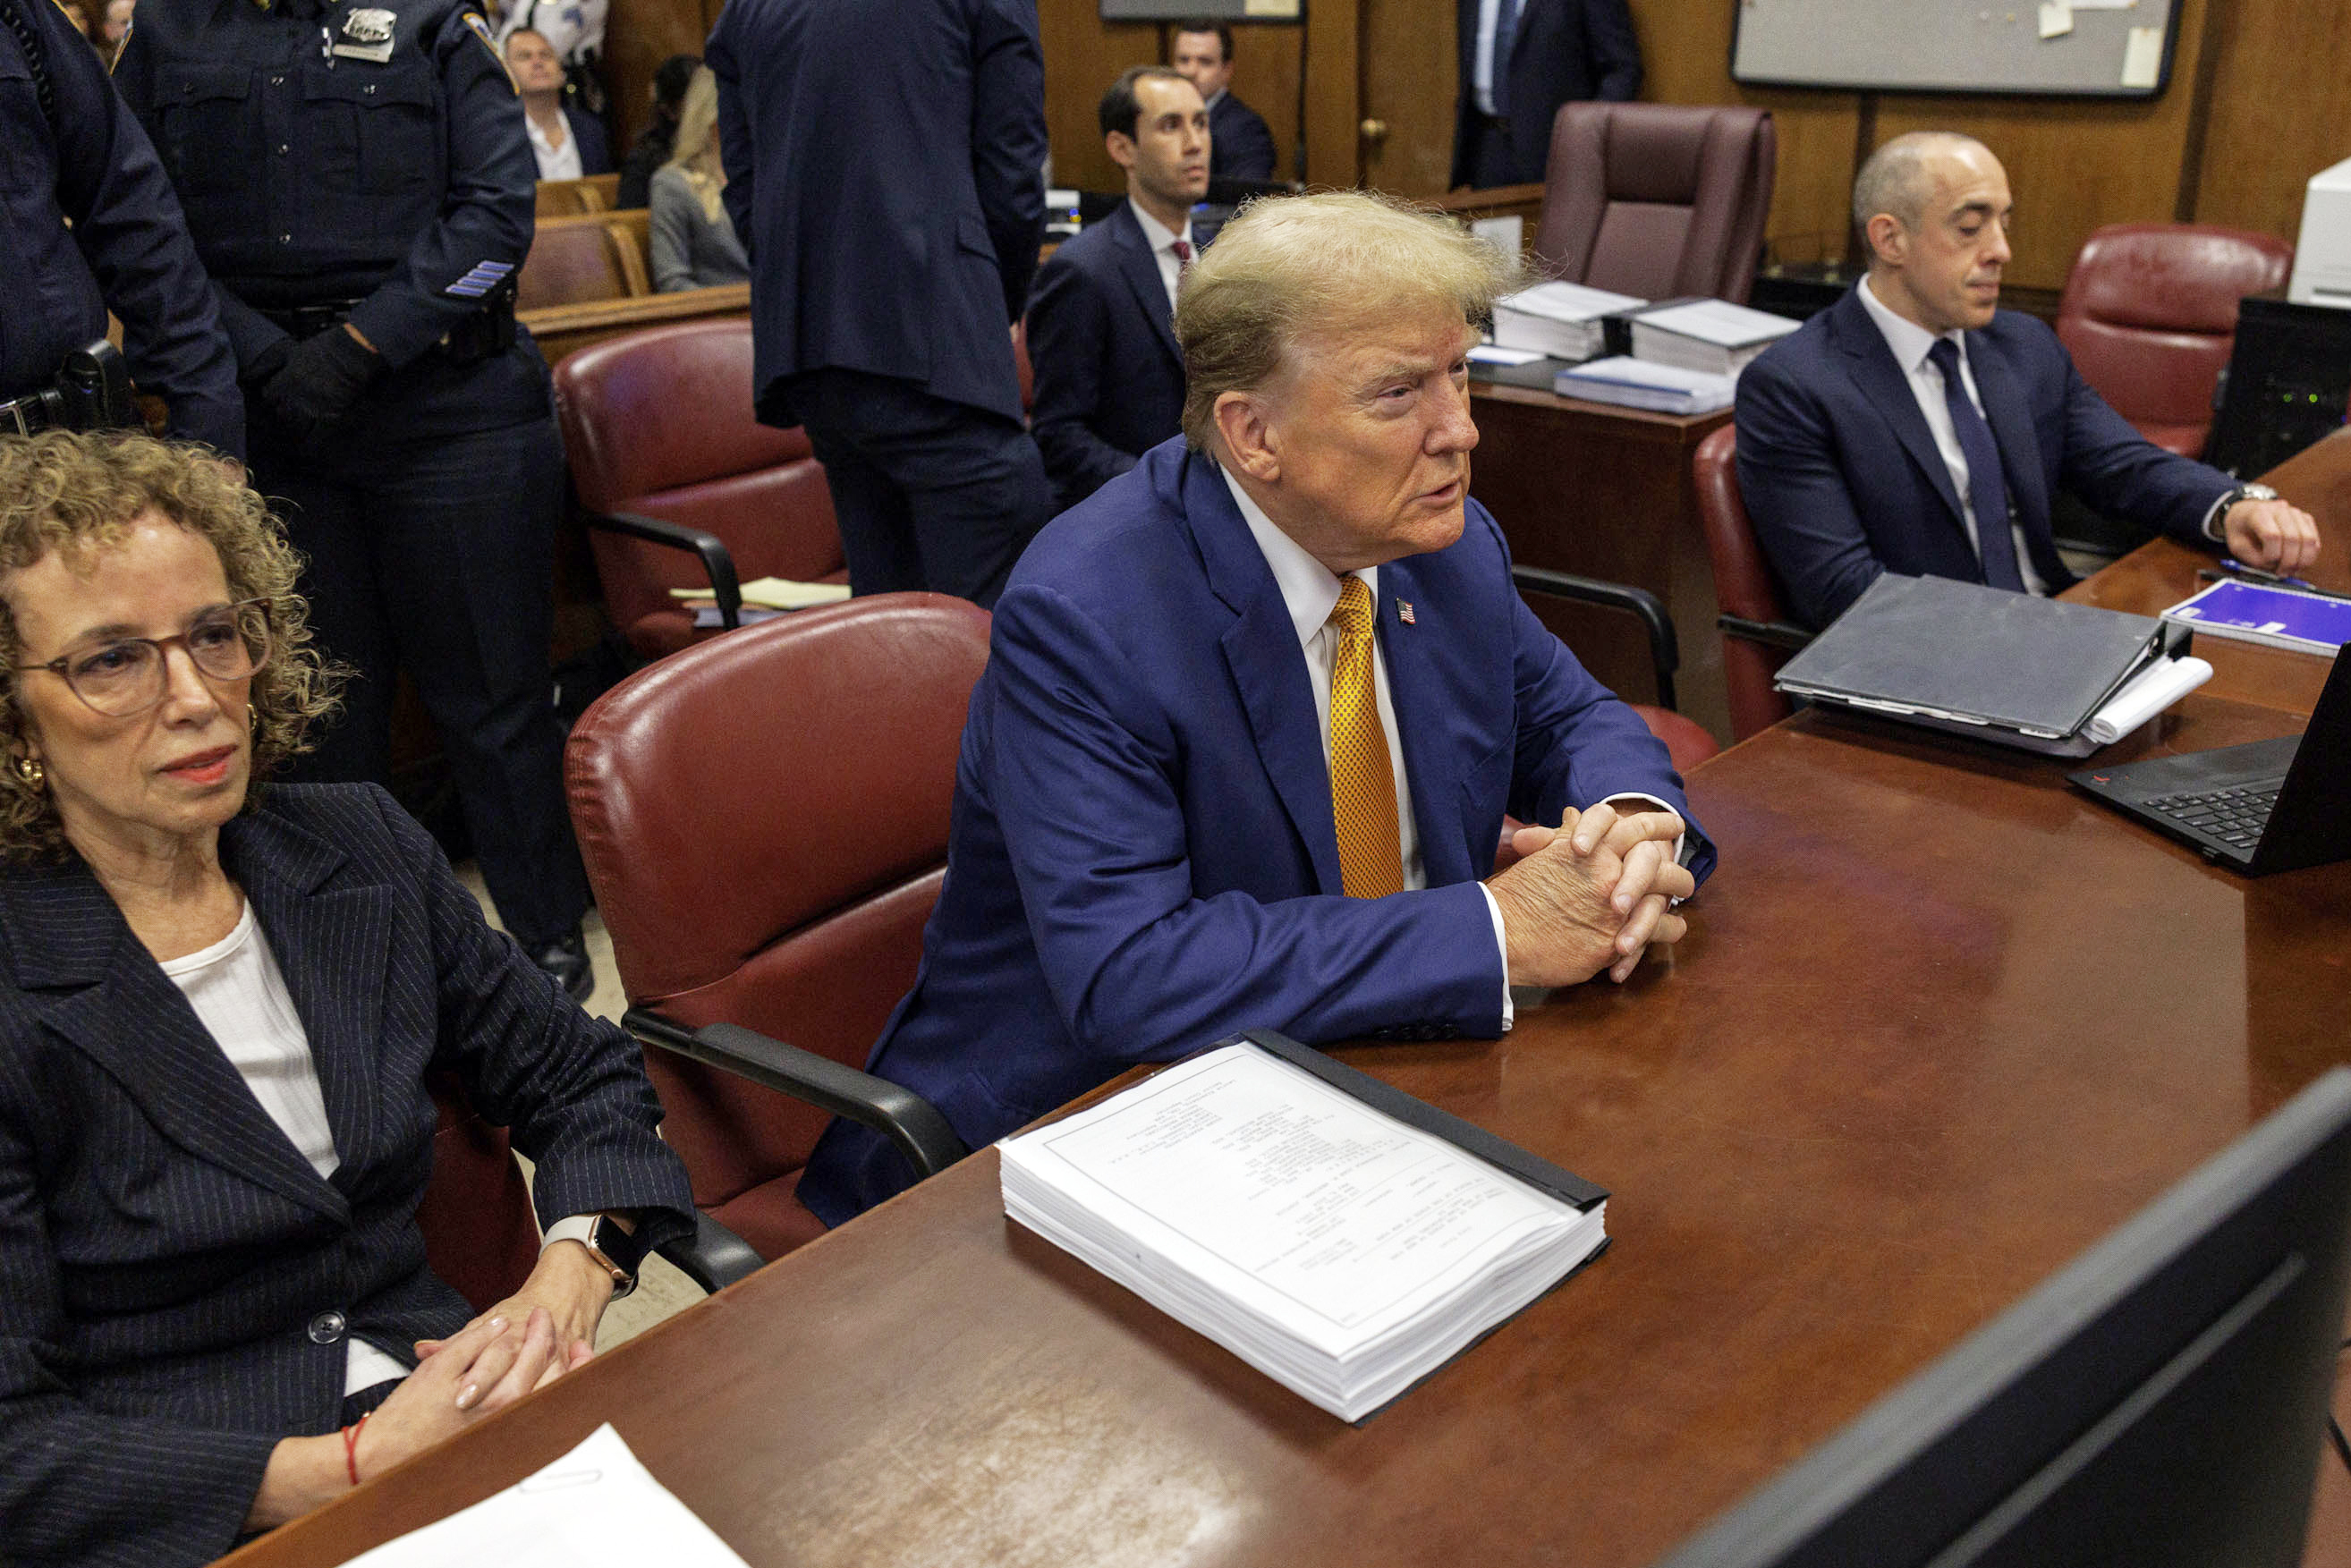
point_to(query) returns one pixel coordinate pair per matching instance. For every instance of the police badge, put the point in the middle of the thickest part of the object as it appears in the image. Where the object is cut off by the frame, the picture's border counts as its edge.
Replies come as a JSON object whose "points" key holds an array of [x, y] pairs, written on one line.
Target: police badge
{"points": [[367, 36]]}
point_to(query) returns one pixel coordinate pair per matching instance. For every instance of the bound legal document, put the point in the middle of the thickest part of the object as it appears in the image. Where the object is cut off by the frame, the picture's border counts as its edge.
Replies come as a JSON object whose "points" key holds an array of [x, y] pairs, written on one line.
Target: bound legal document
{"points": [[1339, 1235]]}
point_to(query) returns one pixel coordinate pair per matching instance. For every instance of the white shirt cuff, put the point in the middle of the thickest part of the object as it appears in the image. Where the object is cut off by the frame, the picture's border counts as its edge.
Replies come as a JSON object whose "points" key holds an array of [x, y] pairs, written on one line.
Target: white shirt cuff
{"points": [[580, 1227], [1502, 946], [2212, 527]]}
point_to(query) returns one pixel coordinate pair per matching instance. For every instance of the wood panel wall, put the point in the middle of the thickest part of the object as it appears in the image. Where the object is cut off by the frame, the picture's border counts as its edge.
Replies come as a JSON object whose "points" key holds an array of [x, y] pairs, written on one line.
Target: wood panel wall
{"points": [[2259, 101]]}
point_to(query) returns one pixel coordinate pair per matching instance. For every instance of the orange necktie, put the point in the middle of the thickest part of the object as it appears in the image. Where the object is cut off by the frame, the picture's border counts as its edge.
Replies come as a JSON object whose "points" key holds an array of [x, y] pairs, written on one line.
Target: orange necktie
{"points": [[1362, 784]]}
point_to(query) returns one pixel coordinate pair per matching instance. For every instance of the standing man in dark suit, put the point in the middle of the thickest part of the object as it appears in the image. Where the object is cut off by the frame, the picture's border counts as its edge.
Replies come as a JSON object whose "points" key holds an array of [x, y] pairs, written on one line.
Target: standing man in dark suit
{"points": [[1520, 60], [1253, 714], [884, 163], [1101, 332], [1241, 147], [1880, 436]]}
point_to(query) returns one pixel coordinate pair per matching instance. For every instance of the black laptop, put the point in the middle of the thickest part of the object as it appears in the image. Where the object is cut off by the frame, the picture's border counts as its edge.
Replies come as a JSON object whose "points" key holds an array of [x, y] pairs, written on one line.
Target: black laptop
{"points": [[2274, 805]]}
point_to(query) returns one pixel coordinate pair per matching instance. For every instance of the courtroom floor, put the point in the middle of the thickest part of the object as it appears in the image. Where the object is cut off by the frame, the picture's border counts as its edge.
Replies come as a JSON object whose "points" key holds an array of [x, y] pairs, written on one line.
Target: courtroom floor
{"points": [[661, 1290]]}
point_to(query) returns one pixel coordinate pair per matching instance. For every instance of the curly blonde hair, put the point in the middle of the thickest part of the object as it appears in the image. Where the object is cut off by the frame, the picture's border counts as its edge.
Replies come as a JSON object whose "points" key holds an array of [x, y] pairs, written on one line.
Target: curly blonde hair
{"points": [[81, 492]]}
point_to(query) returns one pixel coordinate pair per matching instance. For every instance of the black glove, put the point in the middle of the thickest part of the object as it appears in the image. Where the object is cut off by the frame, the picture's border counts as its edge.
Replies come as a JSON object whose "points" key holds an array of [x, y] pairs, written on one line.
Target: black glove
{"points": [[253, 376], [323, 376]]}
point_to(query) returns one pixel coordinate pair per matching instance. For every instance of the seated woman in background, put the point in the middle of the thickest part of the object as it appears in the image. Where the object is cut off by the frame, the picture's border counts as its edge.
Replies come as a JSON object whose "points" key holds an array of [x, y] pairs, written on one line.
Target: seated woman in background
{"points": [[694, 244], [218, 1003]]}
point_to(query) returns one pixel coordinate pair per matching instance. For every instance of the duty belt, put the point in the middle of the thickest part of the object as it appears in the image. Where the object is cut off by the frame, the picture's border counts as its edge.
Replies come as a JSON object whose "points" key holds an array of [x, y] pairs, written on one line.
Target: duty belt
{"points": [[309, 321]]}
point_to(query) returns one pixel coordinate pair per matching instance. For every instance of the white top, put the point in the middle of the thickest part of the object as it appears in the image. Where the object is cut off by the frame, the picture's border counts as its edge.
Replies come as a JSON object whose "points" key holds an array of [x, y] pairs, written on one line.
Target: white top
{"points": [[1162, 240], [1911, 344], [554, 163]]}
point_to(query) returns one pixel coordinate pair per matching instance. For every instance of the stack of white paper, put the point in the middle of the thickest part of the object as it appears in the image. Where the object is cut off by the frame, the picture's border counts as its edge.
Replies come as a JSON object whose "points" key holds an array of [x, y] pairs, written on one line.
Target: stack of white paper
{"points": [[1642, 384], [1709, 335], [1335, 1250], [1561, 321]]}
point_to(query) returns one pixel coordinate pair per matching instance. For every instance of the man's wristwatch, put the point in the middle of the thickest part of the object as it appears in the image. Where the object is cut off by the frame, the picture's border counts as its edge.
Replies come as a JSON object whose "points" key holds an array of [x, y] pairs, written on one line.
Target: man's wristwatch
{"points": [[618, 1251], [2245, 493]]}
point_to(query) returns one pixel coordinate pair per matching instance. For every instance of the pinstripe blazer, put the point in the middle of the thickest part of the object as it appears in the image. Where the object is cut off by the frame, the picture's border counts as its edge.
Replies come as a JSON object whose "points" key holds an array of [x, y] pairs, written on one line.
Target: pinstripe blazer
{"points": [[175, 1278]]}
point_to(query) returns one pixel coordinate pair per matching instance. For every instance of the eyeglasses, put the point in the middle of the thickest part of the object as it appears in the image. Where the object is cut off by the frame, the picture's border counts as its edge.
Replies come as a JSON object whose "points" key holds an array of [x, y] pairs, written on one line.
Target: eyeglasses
{"points": [[125, 677]]}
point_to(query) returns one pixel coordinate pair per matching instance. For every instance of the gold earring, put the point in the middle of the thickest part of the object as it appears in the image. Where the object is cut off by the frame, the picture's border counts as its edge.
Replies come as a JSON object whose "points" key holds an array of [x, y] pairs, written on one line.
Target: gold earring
{"points": [[30, 771]]}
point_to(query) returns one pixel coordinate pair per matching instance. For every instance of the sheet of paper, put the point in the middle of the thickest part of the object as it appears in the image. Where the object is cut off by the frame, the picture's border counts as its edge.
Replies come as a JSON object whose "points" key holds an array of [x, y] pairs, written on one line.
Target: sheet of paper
{"points": [[778, 594], [1507, 234], [594, 1508], [2056, 19], [1495, 354], [2104, 5], [2143, 57], [1568, 301], [1269, 10], [1720, 322], [1326, 1213]]}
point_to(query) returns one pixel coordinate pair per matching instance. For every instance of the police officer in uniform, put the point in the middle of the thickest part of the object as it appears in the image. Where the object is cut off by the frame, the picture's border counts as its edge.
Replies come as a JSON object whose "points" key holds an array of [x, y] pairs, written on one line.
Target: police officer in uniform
{"points": [[68, 150], [359, 184]]}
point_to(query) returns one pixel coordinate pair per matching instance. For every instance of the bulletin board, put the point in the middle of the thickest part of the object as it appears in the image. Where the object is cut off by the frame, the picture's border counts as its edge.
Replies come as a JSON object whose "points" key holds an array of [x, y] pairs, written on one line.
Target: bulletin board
{"points": [[2062, 48]]}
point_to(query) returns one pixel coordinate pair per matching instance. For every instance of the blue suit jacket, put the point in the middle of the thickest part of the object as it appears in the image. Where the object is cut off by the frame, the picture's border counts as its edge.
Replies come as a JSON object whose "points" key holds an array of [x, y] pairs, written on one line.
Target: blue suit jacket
{"points": [[1109, 380], [1143, 857], [164, 1247], [1843, 480], [595, 152], [1240, 147], [884, 171], [1561, 50]]}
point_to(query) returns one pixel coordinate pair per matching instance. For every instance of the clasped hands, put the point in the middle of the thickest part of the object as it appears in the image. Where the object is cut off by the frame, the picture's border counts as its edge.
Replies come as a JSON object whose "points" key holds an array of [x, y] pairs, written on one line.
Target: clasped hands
{"points": [[1589, 894]]}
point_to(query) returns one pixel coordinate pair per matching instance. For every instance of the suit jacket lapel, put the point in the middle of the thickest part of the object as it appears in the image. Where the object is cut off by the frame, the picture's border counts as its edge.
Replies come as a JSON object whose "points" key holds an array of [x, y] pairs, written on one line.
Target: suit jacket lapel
{"points": [[1432, 754], [1260, 649], [116, 1007], [1873, 370], [332, 944], [1141, 269]]}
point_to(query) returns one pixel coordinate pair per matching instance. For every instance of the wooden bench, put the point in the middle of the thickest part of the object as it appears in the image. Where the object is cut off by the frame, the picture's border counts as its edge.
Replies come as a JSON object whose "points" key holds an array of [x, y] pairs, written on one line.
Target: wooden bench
{"points": [[570, 198], [591, 257]]}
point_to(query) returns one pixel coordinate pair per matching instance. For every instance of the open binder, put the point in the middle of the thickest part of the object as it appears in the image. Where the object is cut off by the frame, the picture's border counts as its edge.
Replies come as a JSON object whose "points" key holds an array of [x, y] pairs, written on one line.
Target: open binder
{"points": [[2009, 668]]}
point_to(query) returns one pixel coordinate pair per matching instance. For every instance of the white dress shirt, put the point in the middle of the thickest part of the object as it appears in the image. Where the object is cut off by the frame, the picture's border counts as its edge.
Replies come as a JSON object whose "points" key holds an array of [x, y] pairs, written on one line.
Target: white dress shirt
{"points": [[1481, 70], [554, 163], [1162, 240], [1911, 344], [240, 998]]}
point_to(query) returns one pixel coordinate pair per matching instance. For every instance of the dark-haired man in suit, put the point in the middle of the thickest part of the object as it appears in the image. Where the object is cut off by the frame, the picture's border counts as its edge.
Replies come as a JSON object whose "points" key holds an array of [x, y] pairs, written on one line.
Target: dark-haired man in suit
{"points": [[1241, 147], [1101, 339], [1520, 60], [1884, 433]]}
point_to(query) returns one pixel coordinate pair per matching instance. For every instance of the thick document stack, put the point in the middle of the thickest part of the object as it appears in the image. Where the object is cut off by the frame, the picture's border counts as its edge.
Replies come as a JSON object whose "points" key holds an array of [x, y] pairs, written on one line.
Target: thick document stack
{"points": [[2276, 617], [1560, 320], [2039, 675], [1341, 1236], [1709, 335], [1640, 383]]}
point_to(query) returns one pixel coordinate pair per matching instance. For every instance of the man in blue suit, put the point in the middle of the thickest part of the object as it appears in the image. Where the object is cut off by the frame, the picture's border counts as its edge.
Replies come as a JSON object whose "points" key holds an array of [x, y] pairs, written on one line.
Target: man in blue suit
{"points": [[1102, 320], [1520, 60], [884, 171], [1879, 436], [1241, 147], [1253, 714]]}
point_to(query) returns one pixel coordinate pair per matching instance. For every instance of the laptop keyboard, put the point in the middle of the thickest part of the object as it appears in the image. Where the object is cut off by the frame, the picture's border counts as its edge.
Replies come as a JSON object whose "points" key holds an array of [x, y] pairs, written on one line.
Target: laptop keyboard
{"points": [[2235, 816]]}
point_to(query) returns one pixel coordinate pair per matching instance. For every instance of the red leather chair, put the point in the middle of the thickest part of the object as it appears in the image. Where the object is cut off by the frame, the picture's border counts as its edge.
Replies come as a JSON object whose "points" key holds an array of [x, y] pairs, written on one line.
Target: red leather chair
{"points": [[480, 1233], [682, 488], [1658, 200], [726, 804], [1756, 633], [1686, 741], [2149, 314]]}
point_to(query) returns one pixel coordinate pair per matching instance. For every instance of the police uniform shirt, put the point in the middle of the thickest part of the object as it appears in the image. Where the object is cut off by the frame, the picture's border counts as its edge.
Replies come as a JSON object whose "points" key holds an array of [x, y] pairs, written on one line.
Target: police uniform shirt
{"points": [[128, 249]]}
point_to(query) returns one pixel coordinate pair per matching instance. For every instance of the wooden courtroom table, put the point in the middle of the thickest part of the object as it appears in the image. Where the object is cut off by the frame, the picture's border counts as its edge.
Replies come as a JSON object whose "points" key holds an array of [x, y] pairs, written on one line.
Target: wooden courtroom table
{"points": [[1940, 1023], [1607, 492]]}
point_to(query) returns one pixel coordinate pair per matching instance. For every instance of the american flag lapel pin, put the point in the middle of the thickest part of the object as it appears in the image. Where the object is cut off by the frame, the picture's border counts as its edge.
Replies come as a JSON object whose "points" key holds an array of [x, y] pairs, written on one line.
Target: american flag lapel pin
{"points": [[1404, 612]]}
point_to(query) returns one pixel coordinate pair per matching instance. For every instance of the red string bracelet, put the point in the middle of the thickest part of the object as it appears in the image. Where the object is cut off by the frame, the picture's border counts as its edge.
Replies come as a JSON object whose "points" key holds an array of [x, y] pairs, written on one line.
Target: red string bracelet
{"points": [[351, 1446]]}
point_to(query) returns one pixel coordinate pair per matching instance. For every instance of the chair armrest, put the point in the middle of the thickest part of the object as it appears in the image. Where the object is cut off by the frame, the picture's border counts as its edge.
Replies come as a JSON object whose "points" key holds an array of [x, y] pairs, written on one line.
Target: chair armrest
{"points": [[1770, 633], [717, 559], [1665, 648], [713, 1257], [905, 1117]]}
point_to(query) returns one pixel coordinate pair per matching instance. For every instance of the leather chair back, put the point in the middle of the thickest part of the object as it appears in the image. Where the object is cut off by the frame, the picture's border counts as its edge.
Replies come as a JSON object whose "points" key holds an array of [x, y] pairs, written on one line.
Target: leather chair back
{"points": [[576, 259], [659, 422], [2149, 314], [764, 820], [480, 1234], [1743, 586], [1658, 200]]}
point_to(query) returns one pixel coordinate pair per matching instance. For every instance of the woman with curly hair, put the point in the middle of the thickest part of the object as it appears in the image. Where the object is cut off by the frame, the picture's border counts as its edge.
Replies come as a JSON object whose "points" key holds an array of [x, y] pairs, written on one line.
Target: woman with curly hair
{"points": [[218, 1003]]}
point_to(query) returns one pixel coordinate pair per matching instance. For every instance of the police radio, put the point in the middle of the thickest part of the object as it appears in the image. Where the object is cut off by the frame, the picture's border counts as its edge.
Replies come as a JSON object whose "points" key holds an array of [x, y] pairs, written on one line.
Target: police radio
{"points": [[91, 391]]}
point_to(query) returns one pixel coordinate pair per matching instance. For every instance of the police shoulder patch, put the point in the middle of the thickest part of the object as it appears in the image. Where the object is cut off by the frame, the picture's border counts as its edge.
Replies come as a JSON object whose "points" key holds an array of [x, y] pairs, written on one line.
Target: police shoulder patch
{"points": [[481, 29]]}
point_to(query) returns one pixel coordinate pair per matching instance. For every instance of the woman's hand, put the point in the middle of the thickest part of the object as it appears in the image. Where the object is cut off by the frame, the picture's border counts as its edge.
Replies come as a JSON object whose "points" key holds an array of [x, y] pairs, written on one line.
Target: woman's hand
{"points": [[572, 1287]]}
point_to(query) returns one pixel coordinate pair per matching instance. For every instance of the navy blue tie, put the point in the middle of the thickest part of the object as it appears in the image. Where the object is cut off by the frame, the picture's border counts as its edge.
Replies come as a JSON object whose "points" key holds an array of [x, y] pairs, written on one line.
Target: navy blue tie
{"points": [[1506, 22], [1987, 482]]}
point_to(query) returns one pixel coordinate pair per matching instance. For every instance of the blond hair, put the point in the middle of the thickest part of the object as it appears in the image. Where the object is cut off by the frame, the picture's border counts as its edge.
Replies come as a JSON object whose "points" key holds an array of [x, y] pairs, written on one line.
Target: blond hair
{"points": [[80, 492], [694, 153], [1290, 266]]}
